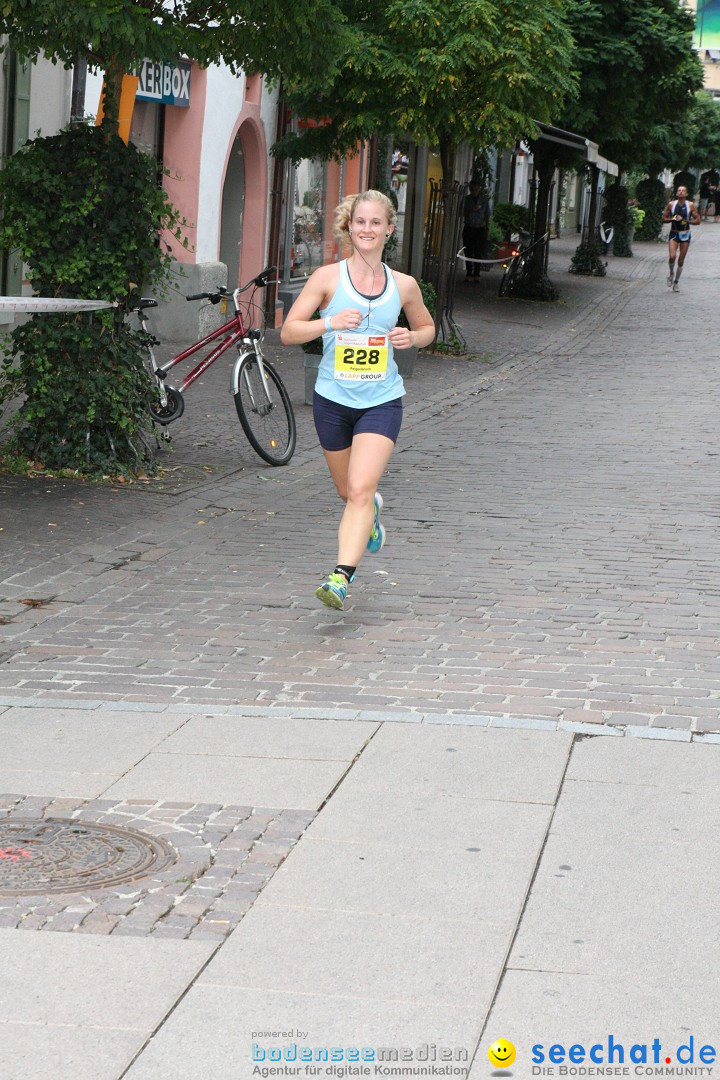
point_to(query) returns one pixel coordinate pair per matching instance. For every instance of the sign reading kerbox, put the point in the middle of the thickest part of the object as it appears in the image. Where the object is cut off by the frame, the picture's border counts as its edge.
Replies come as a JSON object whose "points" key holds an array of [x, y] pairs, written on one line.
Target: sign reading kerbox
{"points": [[164, 82]]}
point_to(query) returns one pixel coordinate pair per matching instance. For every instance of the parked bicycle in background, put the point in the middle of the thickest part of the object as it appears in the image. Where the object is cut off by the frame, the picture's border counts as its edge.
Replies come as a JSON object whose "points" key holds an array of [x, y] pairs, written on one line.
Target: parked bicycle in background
{"points": [[515, 265]]}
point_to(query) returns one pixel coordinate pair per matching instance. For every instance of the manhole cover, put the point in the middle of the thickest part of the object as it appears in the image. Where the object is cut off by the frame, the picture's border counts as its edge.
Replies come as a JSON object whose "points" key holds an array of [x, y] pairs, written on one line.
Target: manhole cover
{"points": [[60, 856]]}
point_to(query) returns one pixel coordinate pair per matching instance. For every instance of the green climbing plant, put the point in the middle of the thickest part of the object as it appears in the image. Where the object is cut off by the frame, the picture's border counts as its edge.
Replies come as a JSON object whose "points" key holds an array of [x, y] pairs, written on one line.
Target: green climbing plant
{"points": [[93, 231], [616, 212]]}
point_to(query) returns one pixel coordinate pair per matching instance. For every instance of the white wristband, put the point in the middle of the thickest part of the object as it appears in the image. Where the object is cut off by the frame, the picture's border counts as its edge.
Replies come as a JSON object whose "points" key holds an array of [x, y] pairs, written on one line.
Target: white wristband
{"points": [[328, 327]]}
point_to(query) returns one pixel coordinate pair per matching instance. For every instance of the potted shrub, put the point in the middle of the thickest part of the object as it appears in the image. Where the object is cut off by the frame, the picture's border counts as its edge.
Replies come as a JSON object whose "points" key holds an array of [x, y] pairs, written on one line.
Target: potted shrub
{"points": [[509, 219], [313, 354], [405, 358], [636, 219]]}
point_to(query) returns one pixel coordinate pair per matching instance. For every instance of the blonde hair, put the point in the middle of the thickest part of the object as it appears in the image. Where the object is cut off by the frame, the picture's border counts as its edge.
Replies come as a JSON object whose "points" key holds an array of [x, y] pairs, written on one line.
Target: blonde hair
{"points": [[345, 211]]}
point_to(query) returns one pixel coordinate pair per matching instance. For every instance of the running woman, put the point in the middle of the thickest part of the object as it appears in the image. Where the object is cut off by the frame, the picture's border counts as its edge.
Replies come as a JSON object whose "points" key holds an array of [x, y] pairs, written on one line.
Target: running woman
{"points": [[357, 403], [681, 213]]}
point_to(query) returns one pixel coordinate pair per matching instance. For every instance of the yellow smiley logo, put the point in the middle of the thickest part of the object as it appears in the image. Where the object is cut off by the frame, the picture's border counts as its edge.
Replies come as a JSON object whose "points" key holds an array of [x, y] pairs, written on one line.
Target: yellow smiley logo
{"points": [[501, 1054]]}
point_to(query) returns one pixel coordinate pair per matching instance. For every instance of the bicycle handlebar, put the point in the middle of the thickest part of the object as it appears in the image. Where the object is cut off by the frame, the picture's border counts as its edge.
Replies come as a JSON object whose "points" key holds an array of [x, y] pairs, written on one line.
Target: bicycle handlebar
{"points": [[260, 282], [263, 277]]}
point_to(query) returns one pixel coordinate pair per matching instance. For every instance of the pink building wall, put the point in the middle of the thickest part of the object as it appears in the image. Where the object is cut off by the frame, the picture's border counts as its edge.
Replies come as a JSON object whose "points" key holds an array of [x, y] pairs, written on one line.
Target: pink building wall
{"points": [[182, 150]]}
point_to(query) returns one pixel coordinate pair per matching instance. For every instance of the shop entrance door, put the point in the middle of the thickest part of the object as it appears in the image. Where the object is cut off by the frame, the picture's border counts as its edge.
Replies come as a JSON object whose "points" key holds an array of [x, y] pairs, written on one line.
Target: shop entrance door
{"points": [[233, 208]]}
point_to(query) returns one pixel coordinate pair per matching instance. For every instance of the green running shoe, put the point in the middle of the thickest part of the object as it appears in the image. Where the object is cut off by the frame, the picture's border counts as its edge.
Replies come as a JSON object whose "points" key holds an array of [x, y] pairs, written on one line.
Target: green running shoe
{"points": [[377, 536], [332, 592]]}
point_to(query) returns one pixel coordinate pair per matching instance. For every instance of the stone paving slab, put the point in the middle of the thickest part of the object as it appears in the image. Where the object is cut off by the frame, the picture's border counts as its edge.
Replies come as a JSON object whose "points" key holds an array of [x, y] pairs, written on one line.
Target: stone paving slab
{"points": [[657, 765], [293, 782], [98, 977], [404, 819], [361, 955], [616, 931], [268, 737], [73, 752], [465, 763], [68, 996], [231, 1019], [599, 907], [53, 1052], [368, 878], [551, 1007]]}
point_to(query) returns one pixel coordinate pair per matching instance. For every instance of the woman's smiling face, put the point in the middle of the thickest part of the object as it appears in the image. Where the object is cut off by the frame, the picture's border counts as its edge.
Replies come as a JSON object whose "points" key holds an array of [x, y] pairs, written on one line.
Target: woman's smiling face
{"points": [[369, 223]]}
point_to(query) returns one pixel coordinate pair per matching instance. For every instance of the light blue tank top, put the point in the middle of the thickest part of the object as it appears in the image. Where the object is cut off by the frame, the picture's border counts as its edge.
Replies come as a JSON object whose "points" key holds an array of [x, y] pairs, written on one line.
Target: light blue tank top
{"points": [[384, 311]]}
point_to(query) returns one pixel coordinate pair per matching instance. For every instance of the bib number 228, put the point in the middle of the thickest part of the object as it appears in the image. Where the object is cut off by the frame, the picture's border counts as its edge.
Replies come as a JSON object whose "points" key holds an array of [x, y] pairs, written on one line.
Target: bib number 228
{"points": [[361, 357]]}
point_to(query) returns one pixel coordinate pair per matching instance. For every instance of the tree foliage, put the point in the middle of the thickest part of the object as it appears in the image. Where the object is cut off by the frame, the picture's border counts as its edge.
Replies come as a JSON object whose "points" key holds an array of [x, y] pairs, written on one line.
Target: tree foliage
{"points": [[637, 74], [704, 125], [688, 141], [695, 142], [438, 71], [651, 198], [115, 35]]}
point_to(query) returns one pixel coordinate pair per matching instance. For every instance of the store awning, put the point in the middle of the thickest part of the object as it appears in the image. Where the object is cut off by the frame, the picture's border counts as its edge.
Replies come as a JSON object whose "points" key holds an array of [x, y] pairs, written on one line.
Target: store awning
{"points": [[586, 147]]}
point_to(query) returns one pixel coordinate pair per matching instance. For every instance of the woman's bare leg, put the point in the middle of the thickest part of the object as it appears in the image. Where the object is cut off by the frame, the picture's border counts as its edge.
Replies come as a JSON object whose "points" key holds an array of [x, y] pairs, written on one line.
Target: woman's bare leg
{"points": [[356, 474]]}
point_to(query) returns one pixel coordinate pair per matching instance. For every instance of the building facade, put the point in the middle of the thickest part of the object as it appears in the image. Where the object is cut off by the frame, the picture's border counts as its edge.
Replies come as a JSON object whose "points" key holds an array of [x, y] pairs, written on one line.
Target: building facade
{"points": [[35, 99], [707, 40]]}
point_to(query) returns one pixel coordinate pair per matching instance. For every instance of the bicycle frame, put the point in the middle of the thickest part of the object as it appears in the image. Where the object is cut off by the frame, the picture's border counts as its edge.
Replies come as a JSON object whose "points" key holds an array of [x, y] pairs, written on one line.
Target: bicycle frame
{"points": [[232, 332], [258, 390]]}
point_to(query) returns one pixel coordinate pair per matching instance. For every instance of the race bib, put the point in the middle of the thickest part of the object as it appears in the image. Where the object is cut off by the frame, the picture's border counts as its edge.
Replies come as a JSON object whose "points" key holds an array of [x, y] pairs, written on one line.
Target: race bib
{"points": [[361, 357]]}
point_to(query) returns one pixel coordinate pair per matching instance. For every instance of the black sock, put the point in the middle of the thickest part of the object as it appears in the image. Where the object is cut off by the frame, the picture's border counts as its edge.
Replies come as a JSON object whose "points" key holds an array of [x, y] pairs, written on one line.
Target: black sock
{"points": [[346, 571]]}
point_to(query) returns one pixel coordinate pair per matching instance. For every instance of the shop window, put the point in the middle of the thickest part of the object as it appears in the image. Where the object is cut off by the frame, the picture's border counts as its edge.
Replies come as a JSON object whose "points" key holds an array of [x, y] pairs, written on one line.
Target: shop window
{"points": [[146, 132], [308, 218], [399, 176]]}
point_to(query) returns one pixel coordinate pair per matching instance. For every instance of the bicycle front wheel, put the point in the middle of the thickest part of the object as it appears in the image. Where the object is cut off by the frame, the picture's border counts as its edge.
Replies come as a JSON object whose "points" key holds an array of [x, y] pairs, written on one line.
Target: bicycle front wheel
{"points": [[508, 277], [265, 411]]}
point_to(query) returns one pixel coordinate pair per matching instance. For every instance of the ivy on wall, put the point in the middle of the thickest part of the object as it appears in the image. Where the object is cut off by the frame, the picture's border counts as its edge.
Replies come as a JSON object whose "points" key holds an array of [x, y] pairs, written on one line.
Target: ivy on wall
{"points": [[89, 230]]}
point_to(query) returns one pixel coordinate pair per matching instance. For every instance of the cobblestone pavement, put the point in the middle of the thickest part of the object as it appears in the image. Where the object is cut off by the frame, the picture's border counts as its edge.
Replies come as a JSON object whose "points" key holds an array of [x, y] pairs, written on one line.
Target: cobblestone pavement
{"points": [[552, 524], [226, 856]]}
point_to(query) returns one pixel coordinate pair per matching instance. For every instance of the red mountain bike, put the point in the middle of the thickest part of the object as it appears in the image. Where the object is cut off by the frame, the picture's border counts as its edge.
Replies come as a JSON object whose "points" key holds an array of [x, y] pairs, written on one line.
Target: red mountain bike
{"points": [[262, 402]]}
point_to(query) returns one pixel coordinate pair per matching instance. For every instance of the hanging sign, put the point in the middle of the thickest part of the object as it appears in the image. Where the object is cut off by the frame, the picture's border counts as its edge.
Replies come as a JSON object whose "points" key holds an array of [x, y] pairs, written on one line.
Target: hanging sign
{"points": [[164, 82]]}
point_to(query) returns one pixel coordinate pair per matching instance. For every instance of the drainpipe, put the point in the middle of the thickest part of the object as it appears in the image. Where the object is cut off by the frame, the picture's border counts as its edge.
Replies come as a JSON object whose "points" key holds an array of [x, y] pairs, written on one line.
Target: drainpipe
{"points": [[273, 316]]}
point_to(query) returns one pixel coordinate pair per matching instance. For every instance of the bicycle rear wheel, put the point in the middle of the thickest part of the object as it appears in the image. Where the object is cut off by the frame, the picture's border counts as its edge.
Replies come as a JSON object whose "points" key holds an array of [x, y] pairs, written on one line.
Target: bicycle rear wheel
{"points": [[266, 415]]}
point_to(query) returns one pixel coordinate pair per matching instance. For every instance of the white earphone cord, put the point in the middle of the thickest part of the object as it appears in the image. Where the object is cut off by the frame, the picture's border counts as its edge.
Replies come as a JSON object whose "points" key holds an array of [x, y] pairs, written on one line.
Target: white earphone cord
{"points": [[372, 287]]}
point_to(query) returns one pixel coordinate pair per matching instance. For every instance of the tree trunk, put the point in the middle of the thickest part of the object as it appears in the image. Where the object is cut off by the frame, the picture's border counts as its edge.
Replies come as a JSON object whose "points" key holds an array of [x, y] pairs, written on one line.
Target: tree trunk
{"points": [[447, 257], [545, 167], [534, 282], [112, 90], [562, 176], [586, 259], [592, 212]]}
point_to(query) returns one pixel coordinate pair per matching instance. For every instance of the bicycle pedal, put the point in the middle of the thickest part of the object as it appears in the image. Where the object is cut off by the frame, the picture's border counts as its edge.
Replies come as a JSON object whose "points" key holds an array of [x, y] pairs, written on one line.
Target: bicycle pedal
{"points": [[165, 435]]}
